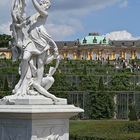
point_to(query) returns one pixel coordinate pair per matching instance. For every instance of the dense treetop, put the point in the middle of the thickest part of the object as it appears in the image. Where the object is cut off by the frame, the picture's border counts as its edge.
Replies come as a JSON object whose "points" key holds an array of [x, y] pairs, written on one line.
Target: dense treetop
{"points": [[4, 40]]}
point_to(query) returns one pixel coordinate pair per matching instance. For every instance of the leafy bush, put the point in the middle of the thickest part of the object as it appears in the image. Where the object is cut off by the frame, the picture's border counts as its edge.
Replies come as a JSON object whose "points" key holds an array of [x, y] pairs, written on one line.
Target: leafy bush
{"points": [[133, 127], [132, 113]]}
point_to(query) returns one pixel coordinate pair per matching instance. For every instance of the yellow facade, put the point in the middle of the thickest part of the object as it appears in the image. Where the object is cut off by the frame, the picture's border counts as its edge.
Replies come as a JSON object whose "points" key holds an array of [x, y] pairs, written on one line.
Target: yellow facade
{"points": [[75, 56], [64, 55], [133, 55], [112, 56], [5, 55], [122, 55], [89, 53], [89, 56]]}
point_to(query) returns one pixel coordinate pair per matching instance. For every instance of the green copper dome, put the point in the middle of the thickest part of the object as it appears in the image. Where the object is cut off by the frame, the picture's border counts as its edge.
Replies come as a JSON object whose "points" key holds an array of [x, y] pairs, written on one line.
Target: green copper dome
{"points": [[94, 38]]}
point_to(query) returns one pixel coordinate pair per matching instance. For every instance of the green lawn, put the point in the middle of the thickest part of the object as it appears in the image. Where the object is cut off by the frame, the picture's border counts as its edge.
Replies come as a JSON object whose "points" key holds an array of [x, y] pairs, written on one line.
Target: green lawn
{"points": [[109, 129]]}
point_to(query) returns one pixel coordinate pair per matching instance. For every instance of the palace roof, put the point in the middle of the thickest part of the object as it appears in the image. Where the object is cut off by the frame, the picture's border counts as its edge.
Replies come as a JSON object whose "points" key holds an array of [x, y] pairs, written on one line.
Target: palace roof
{"points": [[94, 38]]}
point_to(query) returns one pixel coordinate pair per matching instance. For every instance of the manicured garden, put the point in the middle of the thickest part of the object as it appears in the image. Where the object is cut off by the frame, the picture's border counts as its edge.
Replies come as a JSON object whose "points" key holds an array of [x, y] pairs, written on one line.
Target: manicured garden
{"points": [[104, 130], [96, 82]]}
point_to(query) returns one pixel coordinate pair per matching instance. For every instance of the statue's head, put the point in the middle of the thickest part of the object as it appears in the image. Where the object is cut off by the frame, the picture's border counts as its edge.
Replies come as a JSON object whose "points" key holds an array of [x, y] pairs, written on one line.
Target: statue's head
{"points": [[45, 4]]}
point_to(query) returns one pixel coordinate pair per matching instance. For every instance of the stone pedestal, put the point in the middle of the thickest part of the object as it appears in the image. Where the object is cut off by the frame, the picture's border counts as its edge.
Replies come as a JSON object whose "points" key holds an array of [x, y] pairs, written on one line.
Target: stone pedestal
{"points": [[31, 100], [36, 122]]}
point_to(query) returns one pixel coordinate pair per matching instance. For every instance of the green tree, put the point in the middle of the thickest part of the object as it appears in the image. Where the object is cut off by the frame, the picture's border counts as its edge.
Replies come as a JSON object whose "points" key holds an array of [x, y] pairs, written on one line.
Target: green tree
{"points": [[120, 82], [100, 105], [101, 84], [6, 87], [4, 40], [88, 83], [132, 113]]}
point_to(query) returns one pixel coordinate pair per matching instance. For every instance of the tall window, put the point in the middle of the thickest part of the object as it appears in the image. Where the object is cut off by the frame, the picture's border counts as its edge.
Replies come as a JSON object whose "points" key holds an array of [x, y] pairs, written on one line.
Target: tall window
{"points": [[123, 44], [65, 44]]}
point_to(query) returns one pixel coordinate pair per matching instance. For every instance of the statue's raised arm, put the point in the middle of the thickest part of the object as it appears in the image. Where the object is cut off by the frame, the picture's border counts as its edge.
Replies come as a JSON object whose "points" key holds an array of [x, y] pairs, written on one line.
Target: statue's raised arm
{"points": [[17, 10], [18, 21], [42, 6]]}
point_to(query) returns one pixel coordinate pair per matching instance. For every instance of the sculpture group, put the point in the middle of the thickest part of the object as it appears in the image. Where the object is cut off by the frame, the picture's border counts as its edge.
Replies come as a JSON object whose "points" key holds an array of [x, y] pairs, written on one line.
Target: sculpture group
{"points": [[35, 47], [32, 113]]}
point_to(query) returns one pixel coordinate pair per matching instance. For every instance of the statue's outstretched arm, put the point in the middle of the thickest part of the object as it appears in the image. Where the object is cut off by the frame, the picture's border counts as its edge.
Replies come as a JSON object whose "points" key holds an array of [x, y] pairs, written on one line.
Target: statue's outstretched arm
{"points": [[18, 6], [39, 8], [13, 5], [13, 10]]}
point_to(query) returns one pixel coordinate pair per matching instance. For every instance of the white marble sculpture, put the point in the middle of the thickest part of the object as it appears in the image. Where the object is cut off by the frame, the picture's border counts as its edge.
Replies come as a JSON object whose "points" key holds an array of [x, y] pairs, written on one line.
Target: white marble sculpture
{"points": [[32, 113], [36, 49]]}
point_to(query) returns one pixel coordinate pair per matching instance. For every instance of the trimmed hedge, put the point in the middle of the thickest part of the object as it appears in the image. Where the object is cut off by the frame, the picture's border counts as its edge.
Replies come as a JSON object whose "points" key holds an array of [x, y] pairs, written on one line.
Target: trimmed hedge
{"points": [[104, 130], [97, 138], [72, 137]]}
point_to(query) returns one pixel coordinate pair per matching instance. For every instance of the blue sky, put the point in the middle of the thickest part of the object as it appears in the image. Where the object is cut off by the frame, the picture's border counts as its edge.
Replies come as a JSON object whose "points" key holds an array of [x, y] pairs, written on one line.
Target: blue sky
{"points": [[114, 18], [72, 19]]}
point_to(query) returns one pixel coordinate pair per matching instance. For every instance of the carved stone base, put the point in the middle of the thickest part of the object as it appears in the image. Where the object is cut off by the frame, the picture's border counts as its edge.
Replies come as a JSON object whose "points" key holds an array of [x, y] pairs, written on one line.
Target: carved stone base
{"points": [[31, 100], [36, 122]]}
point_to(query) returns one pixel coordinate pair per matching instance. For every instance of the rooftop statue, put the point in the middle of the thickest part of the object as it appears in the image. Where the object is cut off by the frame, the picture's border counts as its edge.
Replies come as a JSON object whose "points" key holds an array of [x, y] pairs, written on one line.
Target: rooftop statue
{"points": [[36, 49]]}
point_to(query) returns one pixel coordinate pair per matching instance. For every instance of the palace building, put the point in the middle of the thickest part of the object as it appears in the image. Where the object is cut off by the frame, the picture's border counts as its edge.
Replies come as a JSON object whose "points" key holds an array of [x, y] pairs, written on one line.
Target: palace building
{"points": [[92, 47], [5, 53], [96, 47]]}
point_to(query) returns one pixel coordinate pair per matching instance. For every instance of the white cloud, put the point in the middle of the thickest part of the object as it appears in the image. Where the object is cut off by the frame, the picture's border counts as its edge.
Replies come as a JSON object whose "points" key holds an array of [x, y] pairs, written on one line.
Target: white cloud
{"points": [[60, 31], [120, 35], [64, 16], [67, 14]]}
